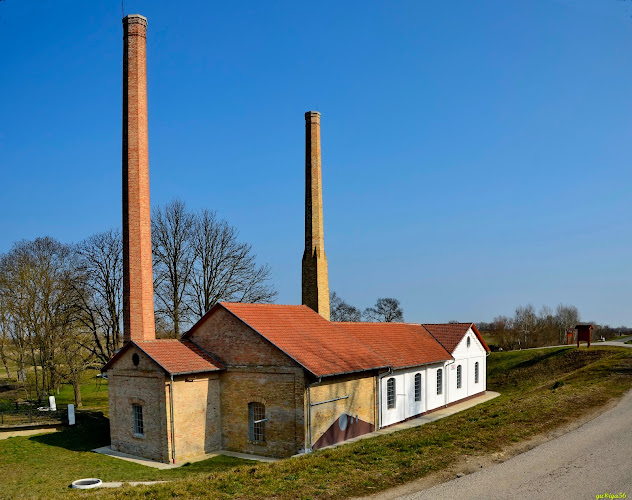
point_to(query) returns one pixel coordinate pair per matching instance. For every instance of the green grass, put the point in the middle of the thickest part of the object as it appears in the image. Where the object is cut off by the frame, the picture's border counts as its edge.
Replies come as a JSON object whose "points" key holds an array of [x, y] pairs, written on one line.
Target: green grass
{"points": [[94, 393], [541, 390], [43, 466], [628, 341]]}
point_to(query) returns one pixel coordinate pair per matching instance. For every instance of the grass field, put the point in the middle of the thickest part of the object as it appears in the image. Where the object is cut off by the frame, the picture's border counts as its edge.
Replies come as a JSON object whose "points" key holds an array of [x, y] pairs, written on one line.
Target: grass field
{"points": [[541, 390]]}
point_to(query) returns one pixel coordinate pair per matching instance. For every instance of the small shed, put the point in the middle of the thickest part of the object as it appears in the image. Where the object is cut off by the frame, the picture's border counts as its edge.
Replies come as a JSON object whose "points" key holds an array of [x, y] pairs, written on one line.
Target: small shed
{"points": [[583, 333]]}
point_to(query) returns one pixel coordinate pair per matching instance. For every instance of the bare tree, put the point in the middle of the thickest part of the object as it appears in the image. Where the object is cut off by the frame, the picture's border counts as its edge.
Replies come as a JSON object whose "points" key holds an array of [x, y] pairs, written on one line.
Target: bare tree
{"points": [[39, 284], [74, 357], [4, 336], [172, 230], [502, 330], [567, 317], [100, 260], [341, 311], [385, 310], [224, 269], [525, 323]]}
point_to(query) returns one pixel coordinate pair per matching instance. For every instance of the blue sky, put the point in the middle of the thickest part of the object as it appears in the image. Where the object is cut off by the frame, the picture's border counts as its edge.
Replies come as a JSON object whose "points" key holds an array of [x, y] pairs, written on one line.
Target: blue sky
{"points": [[476, 154]]}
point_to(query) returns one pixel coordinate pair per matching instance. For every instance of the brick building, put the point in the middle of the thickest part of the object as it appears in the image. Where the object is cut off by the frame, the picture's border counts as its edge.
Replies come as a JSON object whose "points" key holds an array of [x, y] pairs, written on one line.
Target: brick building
{"points": [[264, 379]]}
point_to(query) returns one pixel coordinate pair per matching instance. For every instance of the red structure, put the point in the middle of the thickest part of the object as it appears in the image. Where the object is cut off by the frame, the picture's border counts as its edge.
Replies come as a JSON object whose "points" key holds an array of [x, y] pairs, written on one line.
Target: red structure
{"points": [[583, 333], [569, 336]]}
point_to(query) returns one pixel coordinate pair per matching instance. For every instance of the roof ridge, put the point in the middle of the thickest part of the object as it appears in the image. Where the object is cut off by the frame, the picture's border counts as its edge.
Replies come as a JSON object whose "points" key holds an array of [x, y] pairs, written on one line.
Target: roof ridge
{"points": [[375, 323], [261, 304], [442, 324]]}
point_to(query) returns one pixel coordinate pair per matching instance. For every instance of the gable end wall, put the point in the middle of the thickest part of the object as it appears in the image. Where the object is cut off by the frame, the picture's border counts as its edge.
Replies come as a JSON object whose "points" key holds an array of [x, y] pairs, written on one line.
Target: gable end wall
{"points": [[235, 343], [144, 384]]}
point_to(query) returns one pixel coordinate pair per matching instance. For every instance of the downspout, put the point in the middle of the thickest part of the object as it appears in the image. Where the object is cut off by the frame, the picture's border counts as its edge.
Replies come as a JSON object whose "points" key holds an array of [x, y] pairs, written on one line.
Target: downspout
{"points": [[379, 395], [308, 448], [173, 434], [378, 418], [447, 383]]}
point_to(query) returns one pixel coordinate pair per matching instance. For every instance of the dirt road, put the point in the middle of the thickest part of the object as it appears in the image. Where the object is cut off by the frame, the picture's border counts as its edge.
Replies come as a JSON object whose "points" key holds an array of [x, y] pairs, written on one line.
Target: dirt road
{"points": [[594, 459]]}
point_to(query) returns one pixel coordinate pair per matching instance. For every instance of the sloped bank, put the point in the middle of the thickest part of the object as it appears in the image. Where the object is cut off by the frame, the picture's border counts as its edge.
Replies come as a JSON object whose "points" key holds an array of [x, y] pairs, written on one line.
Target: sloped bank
{"points": [[542, 390]]}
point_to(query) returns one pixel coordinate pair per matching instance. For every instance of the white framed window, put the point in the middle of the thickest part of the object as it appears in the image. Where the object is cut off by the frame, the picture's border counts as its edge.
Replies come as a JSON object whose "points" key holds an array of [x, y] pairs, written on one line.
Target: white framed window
{"points": [[257, 421], [390, 394], [468, 342], [418, 387], [476, 372], [139, 426], [439, 381], [459, 377]]}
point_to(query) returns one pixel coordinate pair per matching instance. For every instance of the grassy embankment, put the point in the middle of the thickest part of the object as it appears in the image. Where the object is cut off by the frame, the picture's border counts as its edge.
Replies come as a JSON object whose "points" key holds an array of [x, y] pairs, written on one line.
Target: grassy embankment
{"points": [[541, 390]]}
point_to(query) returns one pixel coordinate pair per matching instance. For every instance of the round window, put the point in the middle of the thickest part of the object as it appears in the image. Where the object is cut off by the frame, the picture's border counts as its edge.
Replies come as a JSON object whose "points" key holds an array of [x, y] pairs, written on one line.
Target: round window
{"points": [[135, 359], [343, 421], [468, 342]]}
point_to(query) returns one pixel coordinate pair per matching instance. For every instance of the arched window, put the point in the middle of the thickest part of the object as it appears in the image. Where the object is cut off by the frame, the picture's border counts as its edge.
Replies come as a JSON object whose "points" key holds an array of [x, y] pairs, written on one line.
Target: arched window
{"points": [[439, 381], [418, 387], [468, 342], [476, 372], [390, 393], [257, 420], [459, 378]]}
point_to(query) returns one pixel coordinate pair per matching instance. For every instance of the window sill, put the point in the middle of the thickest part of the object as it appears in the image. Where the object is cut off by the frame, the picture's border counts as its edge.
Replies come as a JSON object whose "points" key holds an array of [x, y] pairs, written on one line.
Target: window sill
{"points": [[257, 443], [139, 436]]}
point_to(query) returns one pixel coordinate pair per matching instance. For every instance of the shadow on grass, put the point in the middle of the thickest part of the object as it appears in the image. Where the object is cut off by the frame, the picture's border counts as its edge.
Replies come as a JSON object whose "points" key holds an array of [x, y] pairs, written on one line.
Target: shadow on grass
{"points": [[552, 353], [91, 431]]}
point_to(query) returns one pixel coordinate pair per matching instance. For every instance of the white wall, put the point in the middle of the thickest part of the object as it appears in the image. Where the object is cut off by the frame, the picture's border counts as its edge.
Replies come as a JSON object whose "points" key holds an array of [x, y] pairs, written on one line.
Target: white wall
{"points": [[467, 357], [435, 400], [406, 406]]}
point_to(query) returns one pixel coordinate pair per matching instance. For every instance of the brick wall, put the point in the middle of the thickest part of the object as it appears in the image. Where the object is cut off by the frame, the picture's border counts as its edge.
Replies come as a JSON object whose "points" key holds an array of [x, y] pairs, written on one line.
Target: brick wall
{"points": [[362, 401], [315, 281], [138, 290], [281, 390], [144, 384], [235, 343], [197, 422], [257, 372]]}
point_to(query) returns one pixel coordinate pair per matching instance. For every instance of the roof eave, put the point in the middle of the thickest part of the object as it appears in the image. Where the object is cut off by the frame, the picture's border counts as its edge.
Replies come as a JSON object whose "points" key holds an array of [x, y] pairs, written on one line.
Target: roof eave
{"points": [[423, 364], [195, 371], [349, 372]]}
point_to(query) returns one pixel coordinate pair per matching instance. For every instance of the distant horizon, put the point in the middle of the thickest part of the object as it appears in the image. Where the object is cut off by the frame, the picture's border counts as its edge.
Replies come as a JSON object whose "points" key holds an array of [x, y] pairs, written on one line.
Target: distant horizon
{"points": [[474, 159]]}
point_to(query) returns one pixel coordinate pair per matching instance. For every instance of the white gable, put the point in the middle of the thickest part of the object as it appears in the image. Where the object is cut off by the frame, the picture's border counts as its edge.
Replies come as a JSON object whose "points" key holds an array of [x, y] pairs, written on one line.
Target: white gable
{"points": [[475, 347]]}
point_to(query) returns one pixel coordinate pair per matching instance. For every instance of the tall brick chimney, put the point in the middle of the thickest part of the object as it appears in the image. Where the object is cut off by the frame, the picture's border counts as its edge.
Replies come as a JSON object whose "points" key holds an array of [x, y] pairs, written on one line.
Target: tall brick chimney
{"points": [[138, 289], [315, 276]]}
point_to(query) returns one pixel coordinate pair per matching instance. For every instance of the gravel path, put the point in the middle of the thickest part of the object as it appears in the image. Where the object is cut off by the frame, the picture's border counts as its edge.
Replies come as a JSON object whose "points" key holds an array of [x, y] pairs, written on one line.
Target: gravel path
{"points": [[591, 460]]}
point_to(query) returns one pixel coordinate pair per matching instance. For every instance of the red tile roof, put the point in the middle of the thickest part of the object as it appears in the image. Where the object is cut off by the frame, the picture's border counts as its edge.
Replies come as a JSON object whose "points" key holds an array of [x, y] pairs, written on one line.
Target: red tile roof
{"points": [[176, 357], [401, 344], [318, 345], [450, 334]]}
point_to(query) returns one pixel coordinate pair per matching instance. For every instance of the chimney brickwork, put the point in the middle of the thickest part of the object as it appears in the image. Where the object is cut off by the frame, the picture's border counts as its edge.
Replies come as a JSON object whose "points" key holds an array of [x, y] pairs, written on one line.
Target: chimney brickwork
{"points": [[138, 289], [315, 276]]}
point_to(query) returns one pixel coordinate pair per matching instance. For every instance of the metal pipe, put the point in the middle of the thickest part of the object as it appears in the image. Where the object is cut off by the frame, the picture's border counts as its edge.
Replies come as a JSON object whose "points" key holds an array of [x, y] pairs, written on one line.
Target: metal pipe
{"points": [[308, 448], [447, 382], [173, 434], [379, 395], [328, 401]]}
